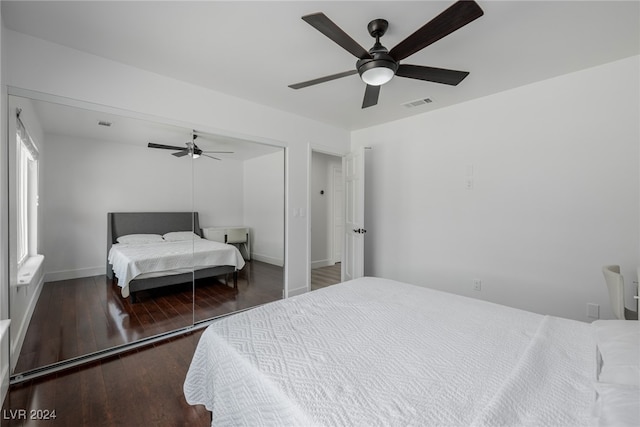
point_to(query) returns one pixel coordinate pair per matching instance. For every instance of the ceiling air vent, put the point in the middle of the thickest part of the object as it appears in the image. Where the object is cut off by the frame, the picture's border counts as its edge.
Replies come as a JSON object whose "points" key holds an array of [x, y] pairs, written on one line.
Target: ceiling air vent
{"points": [[417, 102], [104, 123]]}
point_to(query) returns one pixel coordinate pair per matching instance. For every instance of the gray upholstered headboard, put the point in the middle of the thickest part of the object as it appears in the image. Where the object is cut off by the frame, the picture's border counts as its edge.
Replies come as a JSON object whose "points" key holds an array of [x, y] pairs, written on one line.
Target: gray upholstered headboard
{"points": [[123, 223]]}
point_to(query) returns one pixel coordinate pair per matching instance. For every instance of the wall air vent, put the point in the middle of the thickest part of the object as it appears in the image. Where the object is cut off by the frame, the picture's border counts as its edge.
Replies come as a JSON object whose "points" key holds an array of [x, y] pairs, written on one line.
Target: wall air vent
{"points": [[104, 123], [417, 102]]}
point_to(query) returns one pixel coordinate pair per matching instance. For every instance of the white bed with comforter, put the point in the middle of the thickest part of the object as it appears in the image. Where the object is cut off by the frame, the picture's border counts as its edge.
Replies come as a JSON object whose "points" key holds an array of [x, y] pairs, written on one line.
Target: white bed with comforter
{"points": [[376, 352], [141, 259]]}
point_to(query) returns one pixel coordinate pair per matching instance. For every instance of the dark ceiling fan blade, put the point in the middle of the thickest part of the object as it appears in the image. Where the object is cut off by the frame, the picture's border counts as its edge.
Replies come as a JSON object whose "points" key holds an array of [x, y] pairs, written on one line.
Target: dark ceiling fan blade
{"points": [[455, 17], [323, 79], [200, 152], [211, 157], [326, 26], [165, 147], [181, 153], [430, 74], [371, 94]]}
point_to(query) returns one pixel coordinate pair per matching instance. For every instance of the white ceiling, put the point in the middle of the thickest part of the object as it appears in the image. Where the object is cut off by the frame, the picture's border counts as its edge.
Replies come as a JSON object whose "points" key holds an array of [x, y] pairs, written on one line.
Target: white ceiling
{"points": [[253, 50]]}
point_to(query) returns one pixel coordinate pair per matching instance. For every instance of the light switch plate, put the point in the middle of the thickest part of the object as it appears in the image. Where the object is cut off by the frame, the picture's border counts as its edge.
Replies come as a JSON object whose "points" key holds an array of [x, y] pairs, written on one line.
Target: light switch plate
{"points": [[593, 311]]}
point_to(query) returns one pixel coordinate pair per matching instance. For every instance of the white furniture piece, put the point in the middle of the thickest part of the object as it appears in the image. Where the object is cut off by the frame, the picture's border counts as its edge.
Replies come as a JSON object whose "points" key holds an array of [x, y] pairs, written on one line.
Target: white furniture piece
{"points": [[234, 235], [615, 285], [637, 295]]}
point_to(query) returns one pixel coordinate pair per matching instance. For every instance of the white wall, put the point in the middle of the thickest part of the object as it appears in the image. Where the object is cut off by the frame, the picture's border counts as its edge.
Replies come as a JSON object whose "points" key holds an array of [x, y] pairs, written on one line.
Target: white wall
{"points": [[556, 193], [322, 208], [218, 188], [38, 65], [263, 206], [4, 211]]}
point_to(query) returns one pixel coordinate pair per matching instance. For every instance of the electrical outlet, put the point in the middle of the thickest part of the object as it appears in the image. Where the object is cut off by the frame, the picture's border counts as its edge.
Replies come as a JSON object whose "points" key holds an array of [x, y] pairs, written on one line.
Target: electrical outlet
{"points": [[477, 284], [593, 311]]}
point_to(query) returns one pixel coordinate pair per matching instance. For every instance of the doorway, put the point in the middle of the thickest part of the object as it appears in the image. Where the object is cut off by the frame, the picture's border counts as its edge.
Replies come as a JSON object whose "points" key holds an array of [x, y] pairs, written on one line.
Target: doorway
{"points": [[326, 219]]}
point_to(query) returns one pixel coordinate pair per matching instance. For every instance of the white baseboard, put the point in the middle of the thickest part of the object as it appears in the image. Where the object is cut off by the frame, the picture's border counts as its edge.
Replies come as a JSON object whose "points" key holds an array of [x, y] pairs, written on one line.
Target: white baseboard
{"points": [[297, 291], [268, 259], [321, 263], [54, 276]]}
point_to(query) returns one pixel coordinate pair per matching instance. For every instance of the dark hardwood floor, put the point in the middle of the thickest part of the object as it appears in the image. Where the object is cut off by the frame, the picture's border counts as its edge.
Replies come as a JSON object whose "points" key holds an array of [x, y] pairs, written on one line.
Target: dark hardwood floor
{"points": [[80, 316], [139, 388], [142, 387]]}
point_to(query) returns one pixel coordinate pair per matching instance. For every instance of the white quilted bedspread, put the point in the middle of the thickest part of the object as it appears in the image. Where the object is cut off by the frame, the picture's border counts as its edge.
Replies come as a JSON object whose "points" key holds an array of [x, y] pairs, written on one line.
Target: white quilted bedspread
{"points": [[375, 352], [130, 261]]}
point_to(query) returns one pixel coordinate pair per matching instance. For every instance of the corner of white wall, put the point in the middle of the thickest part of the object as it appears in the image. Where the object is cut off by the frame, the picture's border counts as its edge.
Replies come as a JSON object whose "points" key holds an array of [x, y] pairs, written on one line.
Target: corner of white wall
{"points": [[4, 285]]}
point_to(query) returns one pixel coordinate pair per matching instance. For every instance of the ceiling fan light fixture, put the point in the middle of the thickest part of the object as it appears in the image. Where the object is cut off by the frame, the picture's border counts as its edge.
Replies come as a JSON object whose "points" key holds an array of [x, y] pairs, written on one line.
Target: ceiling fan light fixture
{"points": [[377, 71], [377, 76], [194, 151]]}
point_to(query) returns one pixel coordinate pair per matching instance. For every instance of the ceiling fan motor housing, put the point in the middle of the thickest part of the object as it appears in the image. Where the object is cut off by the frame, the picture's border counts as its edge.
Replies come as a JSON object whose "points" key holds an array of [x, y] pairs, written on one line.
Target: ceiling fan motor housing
{"points": [[378, 27]]}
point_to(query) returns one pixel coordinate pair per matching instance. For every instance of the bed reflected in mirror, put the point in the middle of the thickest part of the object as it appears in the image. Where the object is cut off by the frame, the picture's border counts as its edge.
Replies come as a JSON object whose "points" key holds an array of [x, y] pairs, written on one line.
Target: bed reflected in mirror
{"points": [[66, 298]]}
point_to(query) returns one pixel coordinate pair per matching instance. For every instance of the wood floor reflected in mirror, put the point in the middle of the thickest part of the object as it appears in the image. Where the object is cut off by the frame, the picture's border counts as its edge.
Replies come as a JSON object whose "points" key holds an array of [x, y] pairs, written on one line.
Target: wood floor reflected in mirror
{"points": [[325, 276], [81, 316]]}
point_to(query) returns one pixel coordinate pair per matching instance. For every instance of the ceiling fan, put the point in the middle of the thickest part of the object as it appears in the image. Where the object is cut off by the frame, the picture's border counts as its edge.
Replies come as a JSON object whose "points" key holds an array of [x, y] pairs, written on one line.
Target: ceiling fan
{"points": [[191, 149], [378, 65]]}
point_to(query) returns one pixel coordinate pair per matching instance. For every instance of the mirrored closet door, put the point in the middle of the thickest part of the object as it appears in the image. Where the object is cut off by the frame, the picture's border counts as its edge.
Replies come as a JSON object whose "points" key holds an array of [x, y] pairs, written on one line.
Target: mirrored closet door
{"points": [[87, 180], [64, 304], [239, 192]]}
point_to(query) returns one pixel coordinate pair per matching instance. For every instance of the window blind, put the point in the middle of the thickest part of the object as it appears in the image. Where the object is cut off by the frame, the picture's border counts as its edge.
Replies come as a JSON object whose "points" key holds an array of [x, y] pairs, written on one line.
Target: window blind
{"points": [[26, 139]]}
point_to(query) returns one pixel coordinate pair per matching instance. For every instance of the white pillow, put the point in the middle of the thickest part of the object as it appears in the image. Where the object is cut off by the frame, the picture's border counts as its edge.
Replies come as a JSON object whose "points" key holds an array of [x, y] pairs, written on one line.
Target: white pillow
{"points": [[619, 346], [177, 236], [617, 405], [140, 238]]}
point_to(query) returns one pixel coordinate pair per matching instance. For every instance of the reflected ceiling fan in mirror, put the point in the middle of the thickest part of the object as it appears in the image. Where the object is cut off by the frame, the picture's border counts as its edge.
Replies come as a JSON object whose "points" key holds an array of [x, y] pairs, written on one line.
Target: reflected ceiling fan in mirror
{"points": [[191, 149], [378, 65]]}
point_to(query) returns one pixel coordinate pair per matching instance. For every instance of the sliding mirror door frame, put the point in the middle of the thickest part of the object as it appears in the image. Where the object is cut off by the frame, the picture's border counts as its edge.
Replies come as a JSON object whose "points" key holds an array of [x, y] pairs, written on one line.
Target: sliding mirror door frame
{"points": [[100, 110]]}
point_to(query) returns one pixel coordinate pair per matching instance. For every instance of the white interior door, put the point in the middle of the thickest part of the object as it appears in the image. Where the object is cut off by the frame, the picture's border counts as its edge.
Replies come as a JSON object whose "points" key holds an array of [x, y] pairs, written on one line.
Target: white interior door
{"points": [[354, 230]]}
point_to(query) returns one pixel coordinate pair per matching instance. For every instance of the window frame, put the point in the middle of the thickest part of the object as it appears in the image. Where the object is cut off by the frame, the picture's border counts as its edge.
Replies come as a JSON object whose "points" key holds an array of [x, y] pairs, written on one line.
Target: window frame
{"points": [[26, 195]]}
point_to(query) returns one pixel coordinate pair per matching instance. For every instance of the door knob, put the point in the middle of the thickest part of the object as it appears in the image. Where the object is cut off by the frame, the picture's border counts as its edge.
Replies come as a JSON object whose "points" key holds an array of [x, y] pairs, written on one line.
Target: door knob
{"points": [[359, 230]]}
